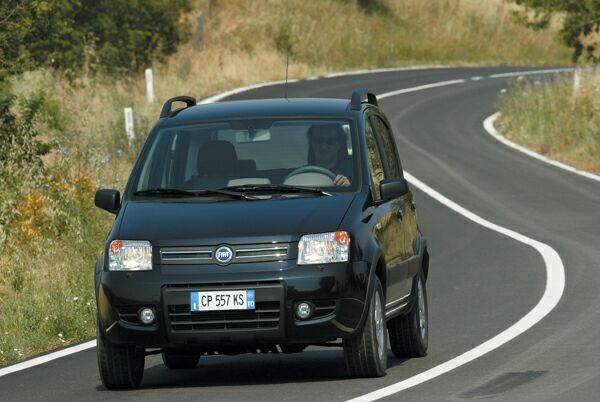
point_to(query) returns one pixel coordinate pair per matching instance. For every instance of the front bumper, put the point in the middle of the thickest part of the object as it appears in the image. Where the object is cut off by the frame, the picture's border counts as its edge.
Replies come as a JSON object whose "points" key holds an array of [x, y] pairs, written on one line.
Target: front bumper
{"points": [[338, 291]]}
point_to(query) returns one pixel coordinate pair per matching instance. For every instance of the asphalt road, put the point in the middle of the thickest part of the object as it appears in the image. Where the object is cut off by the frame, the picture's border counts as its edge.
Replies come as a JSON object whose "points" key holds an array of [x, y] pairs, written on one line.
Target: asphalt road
{"points": [[480, 282]]}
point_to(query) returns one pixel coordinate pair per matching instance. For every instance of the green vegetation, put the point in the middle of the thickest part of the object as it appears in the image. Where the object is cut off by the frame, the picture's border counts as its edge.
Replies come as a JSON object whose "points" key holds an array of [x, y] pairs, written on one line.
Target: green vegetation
{"points": [[580, 23], [115, 35], [553, 120], [62, 134]]}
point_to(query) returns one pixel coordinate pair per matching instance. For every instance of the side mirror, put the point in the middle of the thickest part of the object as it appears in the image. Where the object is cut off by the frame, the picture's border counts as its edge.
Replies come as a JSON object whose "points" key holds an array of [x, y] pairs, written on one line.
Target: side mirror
{"points": [[393, 188], [109, 200]]}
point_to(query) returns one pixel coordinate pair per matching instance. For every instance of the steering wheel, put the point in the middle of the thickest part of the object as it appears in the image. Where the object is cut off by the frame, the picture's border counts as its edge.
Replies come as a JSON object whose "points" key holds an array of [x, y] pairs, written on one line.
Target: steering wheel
{"points": [[312, 169]]}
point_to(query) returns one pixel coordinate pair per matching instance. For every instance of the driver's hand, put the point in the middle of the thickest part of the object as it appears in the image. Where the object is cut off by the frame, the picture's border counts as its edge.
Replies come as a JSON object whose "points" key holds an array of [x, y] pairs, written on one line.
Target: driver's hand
{"points": [[341, 180]]}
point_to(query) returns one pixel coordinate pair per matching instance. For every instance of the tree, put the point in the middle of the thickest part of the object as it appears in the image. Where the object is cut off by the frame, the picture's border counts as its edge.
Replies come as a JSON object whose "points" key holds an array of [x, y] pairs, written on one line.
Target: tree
{"points": [[110, 35], [580, 25]]}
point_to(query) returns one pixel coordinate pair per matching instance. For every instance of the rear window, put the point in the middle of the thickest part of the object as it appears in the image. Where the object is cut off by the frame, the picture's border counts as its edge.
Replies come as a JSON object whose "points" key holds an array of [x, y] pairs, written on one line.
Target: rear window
{"points": [[300, 152]]}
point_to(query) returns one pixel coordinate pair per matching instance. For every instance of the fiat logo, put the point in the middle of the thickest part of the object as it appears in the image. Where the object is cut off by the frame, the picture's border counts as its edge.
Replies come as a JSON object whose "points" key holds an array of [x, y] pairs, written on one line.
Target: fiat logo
{"points": [[223, 255]]}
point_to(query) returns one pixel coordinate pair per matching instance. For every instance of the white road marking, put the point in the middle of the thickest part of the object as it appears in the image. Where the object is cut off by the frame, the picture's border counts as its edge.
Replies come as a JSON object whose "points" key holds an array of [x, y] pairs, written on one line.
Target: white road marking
{"points": [[422, 377], [46, 358], [488, 124], [222, 95], [381, 70], [532, 72], [476, 78], [420, 88], [235, 91], [555, 284]]}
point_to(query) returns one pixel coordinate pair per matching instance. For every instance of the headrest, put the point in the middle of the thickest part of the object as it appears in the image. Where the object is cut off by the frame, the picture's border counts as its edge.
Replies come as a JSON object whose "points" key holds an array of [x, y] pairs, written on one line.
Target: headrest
{"points": [[217, 158]]}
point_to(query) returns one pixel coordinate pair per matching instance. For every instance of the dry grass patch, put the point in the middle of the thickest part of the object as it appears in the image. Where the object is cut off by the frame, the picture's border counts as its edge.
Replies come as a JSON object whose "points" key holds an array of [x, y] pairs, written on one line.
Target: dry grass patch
{"points": [[551, 119]]}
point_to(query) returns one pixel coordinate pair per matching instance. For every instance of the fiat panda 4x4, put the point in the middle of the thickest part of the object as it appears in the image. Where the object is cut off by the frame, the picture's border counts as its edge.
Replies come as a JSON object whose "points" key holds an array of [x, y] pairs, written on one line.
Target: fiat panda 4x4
{"points": [[263, 225]]}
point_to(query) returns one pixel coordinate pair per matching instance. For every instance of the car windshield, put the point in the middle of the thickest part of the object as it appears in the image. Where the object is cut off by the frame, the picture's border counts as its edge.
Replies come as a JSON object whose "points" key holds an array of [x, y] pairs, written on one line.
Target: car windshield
{"points": [[260, 155]]}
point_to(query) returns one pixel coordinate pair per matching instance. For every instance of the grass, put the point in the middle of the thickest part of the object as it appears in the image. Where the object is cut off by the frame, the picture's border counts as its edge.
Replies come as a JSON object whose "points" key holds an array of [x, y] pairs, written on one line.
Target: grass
{"points": [[49, 300], [553, 120], [47, 253]]}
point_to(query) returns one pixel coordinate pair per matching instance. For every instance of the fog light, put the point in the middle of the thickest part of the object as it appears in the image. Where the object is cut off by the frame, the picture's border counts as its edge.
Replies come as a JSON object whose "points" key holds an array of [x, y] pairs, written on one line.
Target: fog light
{"points": [[146, 315], [303, 310]]}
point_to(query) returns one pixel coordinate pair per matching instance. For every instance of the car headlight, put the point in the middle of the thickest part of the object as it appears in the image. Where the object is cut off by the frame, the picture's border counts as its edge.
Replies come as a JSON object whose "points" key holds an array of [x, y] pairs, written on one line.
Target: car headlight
{"points": [[323, 248], [130, 255]]}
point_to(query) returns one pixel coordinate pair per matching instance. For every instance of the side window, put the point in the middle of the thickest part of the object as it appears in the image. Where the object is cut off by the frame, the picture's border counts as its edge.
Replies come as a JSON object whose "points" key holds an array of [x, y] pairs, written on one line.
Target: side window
{"points": [[389, 148], [375, 163]]}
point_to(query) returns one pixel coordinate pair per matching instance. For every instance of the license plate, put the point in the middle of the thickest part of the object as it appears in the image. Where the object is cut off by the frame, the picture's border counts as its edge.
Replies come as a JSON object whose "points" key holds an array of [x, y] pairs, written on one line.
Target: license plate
{"points": [[222, 300]]}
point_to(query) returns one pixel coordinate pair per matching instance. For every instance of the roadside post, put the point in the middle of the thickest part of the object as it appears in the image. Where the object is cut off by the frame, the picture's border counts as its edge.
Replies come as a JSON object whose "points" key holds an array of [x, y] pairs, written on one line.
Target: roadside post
{"points": [[577, 78], [129, 124], [199, 33], [149, 85]]}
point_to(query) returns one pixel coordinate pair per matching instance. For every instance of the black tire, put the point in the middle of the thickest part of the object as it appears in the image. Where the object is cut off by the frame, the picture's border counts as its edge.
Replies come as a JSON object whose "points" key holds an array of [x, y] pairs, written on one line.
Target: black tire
{"points": [[177, 360], [366, 353], [409, 333], [292, 348], [120, 366]]}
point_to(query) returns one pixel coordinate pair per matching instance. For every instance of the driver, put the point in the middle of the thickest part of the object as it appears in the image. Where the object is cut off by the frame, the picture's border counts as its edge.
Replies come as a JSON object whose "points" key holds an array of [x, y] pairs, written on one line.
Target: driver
{"points": [[327, 149]]}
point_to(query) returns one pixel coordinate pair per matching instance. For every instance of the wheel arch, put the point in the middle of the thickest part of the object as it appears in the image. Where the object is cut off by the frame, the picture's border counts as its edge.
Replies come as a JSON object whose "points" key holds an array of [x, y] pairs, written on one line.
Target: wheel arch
{"points": [[376, 270]]}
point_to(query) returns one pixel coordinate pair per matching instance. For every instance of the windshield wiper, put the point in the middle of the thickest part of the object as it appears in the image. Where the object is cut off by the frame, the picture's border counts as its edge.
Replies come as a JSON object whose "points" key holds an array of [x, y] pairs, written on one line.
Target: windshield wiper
{"points": [[275, 188], [166, 192], [175, 192], [221, 191]]}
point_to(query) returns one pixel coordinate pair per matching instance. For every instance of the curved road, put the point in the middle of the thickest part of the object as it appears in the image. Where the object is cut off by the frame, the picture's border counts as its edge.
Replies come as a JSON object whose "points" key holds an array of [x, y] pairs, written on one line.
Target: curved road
{"points": [[480, 282]]}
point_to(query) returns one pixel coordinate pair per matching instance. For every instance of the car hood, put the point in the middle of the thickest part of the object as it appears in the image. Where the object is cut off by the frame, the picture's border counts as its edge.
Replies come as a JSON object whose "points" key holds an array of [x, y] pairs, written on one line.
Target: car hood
{"points": [[170, 222]]}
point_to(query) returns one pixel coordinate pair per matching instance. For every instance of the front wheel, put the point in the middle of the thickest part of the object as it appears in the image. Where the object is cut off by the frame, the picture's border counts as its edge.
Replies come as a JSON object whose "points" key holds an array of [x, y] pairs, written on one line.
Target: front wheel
{"points": [[120, 366], [366, 353], [409, 333]]}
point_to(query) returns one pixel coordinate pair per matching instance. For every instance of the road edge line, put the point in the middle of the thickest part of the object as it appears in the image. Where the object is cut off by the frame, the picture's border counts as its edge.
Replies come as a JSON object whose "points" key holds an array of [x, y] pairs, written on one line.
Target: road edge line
{"points": [[489, 125], [532, 72], [36, 361], [555, 283], [218, 96]]}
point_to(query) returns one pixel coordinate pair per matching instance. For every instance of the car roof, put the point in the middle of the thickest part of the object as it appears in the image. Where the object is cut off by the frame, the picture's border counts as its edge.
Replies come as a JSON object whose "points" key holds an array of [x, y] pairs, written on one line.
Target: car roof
{"points": [[262, 108]]}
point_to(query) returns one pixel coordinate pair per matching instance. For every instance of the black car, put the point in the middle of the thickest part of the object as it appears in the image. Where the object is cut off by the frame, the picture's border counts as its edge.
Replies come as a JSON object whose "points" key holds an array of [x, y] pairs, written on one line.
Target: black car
{"points": [[263, 225]]}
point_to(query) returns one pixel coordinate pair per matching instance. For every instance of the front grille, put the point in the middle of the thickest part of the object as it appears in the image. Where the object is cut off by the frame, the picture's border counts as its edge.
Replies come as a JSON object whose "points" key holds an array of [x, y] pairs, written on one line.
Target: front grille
{"points": [[241, 254], [266, 315], [186, 255]]}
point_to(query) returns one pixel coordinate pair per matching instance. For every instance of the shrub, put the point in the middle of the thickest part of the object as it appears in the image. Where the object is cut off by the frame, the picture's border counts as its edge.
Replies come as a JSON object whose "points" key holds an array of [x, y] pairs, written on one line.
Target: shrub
{"points": [[21, 166]]}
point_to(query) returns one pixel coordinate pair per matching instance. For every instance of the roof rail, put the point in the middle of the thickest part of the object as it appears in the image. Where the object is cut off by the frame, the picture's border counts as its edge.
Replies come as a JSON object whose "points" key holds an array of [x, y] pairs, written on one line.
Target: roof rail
{"points": [[357, 96], [166, 109]]}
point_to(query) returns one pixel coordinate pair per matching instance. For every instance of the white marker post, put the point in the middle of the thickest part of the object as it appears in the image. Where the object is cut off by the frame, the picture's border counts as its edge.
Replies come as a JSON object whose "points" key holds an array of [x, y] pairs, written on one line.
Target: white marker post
{"points": [[149, 85], [129, 124], [576, 85]]}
